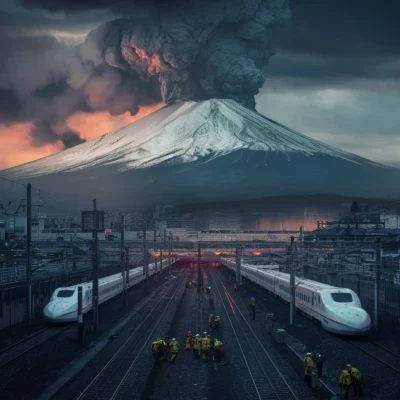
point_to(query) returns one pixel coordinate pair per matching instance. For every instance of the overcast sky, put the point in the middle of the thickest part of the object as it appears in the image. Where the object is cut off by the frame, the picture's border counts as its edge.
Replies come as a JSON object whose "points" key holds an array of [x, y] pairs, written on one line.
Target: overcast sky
{"points": [[335, 75]]}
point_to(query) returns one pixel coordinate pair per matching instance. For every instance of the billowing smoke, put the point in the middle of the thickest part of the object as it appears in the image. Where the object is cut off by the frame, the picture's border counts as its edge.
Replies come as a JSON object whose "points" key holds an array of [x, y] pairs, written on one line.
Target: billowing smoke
{"points": [[174, 51]]}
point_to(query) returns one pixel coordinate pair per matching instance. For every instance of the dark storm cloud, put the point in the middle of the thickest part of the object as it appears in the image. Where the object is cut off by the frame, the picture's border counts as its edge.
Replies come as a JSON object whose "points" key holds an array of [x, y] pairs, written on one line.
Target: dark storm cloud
{"points": [[44, 82], [177, 51], [340, 43]]}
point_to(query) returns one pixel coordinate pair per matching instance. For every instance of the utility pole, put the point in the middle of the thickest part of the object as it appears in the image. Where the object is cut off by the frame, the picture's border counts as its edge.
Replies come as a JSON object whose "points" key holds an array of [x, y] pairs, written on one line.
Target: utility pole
{"points": [[122, 248], [199, 269], [126, 278], [80, 317], [154, 247], [146, 263], [238, 268], [377, 284], [292, 283], [161, 259], [169, 254], [165, 238], [95, 292], [28, 253], [301, 249]]}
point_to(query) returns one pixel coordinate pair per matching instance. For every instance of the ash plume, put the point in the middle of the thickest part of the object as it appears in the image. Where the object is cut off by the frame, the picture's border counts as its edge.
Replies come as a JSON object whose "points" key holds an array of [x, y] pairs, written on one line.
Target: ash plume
{"points": [[174, 51]]}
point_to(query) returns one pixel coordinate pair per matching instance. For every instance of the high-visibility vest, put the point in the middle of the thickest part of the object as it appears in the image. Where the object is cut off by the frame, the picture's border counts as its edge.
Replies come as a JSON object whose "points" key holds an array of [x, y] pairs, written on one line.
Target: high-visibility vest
{"points": [[205, 344], [356, 374], [174, 345], [154, 346], [345, 378], [196, 343], [308, 365], [253, 302]]}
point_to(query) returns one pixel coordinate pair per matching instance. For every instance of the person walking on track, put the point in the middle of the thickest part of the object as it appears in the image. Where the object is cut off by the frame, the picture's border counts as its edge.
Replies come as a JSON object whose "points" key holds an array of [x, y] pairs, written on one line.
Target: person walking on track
{"points": [[253, 307]]}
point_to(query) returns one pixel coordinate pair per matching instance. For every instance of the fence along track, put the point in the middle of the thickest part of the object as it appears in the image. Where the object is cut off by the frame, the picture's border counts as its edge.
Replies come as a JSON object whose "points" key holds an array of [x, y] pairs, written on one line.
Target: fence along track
{"points": [[24, 346], [107, 383], [267, 380]]}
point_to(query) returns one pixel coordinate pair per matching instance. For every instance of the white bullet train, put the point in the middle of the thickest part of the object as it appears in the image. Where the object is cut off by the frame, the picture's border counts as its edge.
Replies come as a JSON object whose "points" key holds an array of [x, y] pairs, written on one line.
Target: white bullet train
{"points": [[338, 310], [63, 304]]}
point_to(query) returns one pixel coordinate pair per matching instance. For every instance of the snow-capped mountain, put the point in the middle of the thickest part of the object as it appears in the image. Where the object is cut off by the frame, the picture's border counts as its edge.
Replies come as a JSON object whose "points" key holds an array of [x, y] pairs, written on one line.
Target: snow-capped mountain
{"points": [[212, 150]]}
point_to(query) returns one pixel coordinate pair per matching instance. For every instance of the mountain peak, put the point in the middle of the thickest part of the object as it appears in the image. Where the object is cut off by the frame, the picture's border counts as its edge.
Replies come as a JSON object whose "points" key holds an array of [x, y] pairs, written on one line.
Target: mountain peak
{"points": [[181, 151], [183, 132]]}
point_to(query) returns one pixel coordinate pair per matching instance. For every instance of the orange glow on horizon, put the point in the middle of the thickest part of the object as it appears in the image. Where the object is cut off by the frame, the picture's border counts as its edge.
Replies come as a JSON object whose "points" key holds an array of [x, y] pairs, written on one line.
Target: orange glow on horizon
{"points": [[16, 149], [15, 144]]}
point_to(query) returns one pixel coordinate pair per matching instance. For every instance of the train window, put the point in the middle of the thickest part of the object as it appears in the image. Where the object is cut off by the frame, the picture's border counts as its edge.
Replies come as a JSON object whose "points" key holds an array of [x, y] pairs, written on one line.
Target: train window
{"points": [[342, 297], [65, 293]]}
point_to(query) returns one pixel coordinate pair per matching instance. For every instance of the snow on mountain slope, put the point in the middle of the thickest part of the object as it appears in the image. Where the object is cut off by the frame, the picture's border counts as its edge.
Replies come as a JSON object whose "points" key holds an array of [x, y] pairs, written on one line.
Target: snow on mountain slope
{"points": [[183, 133], [215, 150]]}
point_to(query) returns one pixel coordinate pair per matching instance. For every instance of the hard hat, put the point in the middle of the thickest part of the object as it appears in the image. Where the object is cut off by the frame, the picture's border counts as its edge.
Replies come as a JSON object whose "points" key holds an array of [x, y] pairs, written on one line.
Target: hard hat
{"points": [[204, 333], [189, 332], [308, 354], [173, 338], [197, 335], [348, 365], [217, 316]]}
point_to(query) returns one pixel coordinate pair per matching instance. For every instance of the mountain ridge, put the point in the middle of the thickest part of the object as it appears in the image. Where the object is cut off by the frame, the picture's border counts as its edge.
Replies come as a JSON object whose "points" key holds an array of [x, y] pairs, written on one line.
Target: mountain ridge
{"points": [[181, 151]]}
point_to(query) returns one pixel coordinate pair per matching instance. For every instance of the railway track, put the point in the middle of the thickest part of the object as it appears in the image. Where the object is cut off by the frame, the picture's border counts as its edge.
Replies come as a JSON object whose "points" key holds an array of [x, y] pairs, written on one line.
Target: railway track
{"points": [[379, 353], [26, 345], [267, 380], [113, 379]]}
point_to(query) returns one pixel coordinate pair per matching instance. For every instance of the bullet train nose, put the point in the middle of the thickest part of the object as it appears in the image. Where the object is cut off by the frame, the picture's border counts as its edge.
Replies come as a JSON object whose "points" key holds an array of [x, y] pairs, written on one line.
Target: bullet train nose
{"points": [[357, 319], [59, 311]]}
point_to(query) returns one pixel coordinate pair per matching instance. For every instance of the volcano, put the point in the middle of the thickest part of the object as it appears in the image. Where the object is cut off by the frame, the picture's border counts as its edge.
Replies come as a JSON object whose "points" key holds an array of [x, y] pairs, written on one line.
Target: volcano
{"points": [[207, 151]]}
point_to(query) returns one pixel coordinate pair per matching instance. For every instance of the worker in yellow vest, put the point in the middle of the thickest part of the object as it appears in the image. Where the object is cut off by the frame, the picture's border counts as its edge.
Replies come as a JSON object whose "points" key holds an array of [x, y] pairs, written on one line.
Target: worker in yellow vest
{"points": [[355, 380], [345, 382], [174, 346], [217, 350], [205, 347], [308, 364], [196, 346], [217, 323]]}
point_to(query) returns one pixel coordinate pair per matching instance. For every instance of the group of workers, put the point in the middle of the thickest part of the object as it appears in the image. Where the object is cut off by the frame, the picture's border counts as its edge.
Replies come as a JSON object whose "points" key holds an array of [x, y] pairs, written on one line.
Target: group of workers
{"points": [[206, 346], [308, 363], [201, 346], [159, 347], [349, 378]]}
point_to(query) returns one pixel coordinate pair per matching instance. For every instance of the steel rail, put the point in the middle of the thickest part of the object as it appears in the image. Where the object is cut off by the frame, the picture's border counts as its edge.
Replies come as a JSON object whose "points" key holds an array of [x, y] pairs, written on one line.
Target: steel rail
{"points": [[106, 367], [240, 319]]}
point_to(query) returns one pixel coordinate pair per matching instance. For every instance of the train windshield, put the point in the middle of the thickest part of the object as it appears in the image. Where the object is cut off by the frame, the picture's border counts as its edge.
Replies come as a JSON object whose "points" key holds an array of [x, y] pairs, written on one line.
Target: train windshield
{"points": [[342, 297], [65, 293]]}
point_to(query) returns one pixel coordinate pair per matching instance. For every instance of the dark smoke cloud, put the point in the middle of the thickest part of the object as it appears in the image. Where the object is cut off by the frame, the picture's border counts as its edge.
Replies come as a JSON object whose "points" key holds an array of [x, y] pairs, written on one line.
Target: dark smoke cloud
{"points": [[44, 132], [174, 51]]}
